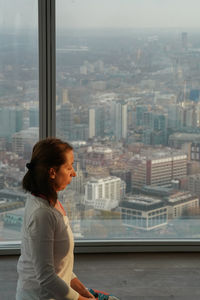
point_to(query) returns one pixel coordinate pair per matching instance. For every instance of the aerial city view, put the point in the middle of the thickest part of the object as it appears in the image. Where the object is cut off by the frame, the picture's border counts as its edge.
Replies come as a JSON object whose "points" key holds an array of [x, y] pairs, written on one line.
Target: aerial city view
{"points": [[128, 100]]}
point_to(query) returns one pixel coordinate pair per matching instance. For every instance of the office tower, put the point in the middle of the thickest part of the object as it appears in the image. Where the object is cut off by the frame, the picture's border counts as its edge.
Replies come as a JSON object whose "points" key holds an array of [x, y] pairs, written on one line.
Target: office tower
{"points": [[158, 168], [80, 132], [195, 151], [140, 110], [119, 120], [124, 175], [147, 136], [23, 141], [11, 121], [190, 117], [176, 140], [96, 122], [173, 116], [124, 121], [92, 120], [159, 122], [194, 184], [148, 119], [34, 117], [64, 116], [103, 193], [155, 132], [159, 135]]}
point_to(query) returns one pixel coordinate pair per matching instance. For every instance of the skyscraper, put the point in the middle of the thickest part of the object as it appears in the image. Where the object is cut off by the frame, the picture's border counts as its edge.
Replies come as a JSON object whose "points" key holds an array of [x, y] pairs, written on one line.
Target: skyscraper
{"points": [[34, 117], [11, 121], [120, 120], [91, 122], [96, 122], [64, 123], [140, 110]]}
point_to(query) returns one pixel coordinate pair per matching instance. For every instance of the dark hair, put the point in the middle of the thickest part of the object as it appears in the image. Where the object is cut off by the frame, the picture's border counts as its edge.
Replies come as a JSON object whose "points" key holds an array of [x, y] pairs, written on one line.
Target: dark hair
{"points": [[46, 154]]}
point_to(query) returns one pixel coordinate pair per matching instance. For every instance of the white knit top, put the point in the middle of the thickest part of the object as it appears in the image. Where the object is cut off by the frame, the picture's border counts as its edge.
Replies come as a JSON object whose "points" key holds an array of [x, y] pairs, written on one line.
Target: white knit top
{"points": [[47, 258]]}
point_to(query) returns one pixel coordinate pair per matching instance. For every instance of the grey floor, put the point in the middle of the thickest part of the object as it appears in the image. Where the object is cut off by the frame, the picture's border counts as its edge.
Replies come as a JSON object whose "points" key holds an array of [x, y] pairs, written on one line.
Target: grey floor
{"points": [[132, 276]]}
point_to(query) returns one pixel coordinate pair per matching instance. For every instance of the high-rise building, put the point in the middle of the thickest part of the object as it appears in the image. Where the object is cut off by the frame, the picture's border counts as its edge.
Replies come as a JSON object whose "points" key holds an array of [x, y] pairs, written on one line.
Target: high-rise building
{"points": [[96, 122], [24, 140], [64, 115], [195, 151], [92, 122], [80, 132], [148, 119], [11, 121], [194, 184], [124, 175], [158, 168], [124, 121], [155, 132], [173, 116], [34, 117], [140, 110], [120, 124]]}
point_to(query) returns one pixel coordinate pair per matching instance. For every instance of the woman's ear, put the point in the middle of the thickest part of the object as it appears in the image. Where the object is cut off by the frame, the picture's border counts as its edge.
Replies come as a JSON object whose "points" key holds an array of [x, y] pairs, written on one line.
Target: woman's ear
{"points": [[52, 173]]}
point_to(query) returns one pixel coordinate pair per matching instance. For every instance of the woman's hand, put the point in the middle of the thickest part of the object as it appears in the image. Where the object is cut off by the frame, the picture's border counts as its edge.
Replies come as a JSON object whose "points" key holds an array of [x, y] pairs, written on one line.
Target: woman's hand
{"points": [[79, 287]]}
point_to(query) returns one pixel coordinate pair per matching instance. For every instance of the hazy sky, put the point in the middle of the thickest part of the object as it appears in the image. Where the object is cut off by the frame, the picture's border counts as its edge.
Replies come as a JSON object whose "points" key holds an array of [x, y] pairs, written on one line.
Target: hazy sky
{"points": [[128, 13], [105, 13]]}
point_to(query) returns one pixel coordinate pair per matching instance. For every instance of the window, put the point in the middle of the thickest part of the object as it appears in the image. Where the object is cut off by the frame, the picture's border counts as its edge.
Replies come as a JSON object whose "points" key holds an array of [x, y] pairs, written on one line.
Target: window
{"points": [[19, 107], [127, 99], [118, 75]]}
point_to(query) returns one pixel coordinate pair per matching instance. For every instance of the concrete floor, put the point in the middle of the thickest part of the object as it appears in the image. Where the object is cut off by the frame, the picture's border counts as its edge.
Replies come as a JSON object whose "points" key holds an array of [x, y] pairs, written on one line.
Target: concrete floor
{"points": [[130, 276]]}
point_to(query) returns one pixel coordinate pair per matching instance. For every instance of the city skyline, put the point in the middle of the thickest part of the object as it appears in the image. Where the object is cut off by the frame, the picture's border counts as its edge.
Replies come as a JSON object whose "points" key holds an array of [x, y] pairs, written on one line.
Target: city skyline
{"points": [[130, 105]]}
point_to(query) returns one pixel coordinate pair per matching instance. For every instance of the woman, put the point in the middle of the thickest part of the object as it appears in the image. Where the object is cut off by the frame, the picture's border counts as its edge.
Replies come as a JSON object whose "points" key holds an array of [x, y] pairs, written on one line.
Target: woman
{"points": [[45, 266]]}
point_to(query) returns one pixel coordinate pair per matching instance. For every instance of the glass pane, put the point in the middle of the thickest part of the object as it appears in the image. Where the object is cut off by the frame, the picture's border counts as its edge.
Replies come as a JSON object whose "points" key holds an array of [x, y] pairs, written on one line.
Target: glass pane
{"points": [[128, 99], [19, 128]]}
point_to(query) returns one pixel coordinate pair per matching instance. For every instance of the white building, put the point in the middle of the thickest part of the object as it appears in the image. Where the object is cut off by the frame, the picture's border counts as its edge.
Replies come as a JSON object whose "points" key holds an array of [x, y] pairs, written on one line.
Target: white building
{"points": [[143, 212], [103, 193], [91, 122]]}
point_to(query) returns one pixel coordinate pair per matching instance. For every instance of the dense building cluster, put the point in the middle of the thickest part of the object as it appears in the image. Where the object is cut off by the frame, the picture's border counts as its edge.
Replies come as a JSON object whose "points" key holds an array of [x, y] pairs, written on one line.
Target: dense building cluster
{"points": [[132, 114]]}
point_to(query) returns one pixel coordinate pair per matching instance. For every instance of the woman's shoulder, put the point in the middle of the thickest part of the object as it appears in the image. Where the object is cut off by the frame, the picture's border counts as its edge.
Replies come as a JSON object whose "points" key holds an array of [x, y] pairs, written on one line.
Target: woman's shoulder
{"points": [[38, 209]]}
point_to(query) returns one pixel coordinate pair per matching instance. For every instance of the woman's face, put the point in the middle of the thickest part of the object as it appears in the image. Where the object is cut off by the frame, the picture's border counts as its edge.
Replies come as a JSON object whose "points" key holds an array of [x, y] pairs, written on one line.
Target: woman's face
{"points": [[64, 175]]}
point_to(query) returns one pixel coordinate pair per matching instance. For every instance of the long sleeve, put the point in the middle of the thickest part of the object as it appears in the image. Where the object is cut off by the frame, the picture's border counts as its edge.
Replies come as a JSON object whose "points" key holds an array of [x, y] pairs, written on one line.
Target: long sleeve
{"points": [[41, 232]]}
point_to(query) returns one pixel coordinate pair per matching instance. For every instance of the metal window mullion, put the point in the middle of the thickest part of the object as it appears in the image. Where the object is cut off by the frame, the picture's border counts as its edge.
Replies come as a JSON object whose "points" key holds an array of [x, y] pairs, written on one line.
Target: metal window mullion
{"points": [[47, 77]]}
